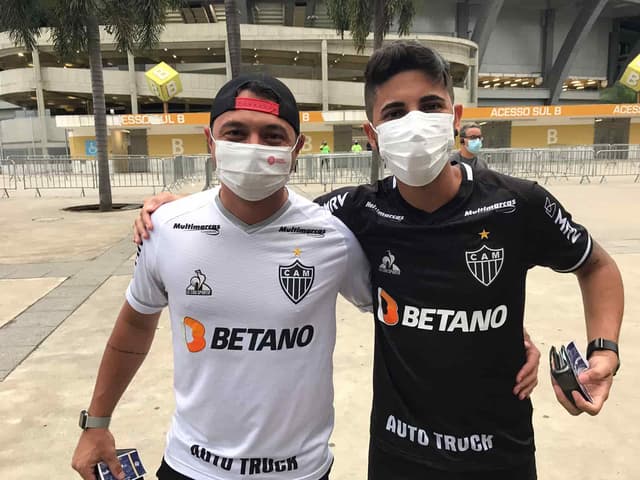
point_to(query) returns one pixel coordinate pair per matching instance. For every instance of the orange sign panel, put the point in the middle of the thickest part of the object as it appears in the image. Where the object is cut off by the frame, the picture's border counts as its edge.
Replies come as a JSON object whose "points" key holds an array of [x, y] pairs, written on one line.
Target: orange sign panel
{"points": [[148, 119], [551, 111]]}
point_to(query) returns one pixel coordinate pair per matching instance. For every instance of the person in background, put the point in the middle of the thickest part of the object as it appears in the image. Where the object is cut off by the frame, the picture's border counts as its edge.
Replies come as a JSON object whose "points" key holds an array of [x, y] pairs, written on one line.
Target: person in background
{"points": [[324, 149], [356, 147], [470, 145]]}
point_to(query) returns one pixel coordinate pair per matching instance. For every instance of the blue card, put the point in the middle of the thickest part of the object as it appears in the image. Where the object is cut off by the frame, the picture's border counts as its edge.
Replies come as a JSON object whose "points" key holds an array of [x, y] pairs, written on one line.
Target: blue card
{"points": [[578, 364], [131, 465]]}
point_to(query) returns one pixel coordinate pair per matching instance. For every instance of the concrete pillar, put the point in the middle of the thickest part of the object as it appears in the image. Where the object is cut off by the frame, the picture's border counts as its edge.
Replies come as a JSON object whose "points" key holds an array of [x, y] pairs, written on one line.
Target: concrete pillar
{"points": [[325, 77], [245, 10], [614, 43], [474, 72], [462, 19], [44, 138], [582, 25], [1, 143], [227, 60], [289, 6], [548, 24], [133, 86], [485, 24], [310, 14]]}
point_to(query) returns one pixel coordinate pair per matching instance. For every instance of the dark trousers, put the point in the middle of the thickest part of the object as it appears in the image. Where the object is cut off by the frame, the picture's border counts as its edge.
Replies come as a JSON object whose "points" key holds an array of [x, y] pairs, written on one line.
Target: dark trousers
{"points": [[386, 466], [165, 472]]}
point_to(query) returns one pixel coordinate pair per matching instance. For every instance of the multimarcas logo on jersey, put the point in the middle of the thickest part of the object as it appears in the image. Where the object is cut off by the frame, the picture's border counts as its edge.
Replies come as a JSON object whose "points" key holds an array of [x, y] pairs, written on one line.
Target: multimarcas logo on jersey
{"points": [[311, 231], [296, 280], [485, 263], [211, 230], [508, 206], [392, 313]]}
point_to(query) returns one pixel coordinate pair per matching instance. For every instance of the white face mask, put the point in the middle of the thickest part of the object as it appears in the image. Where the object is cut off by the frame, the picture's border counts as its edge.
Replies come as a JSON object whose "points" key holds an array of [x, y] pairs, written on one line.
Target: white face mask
{"points": [[416, 146], [251, 171]]}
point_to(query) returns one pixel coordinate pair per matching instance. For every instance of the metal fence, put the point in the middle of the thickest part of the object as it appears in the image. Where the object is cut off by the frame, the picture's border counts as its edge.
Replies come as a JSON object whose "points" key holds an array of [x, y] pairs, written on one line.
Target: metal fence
{"points": [[47, 172], [583, 163], [333, 169], [8, 176], [586, 163]]}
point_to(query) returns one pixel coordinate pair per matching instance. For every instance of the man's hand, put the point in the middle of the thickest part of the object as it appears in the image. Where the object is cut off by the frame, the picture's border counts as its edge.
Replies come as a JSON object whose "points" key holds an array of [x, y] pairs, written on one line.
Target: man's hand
{"points": [[597, 380], [142, 224], [527, 377], [96, 445]]}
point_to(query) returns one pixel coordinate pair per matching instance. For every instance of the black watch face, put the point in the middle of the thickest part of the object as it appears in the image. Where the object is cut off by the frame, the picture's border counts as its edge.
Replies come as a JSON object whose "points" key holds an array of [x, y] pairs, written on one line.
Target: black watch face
{"points": [[83, 419]]}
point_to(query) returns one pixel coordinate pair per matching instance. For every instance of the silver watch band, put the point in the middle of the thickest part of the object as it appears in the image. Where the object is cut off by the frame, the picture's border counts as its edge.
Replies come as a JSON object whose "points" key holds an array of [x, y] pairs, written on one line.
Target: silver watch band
{"points": [[87, 421]]}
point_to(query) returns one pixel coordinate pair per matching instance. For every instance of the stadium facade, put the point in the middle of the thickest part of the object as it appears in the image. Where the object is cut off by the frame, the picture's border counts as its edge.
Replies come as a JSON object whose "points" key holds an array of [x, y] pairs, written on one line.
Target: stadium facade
{"points": [[521, 67]]}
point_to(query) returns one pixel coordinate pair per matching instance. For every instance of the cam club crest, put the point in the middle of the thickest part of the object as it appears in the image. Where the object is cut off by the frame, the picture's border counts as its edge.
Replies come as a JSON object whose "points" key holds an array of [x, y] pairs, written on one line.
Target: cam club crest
{"points": [[485, 263], [296, 280]]}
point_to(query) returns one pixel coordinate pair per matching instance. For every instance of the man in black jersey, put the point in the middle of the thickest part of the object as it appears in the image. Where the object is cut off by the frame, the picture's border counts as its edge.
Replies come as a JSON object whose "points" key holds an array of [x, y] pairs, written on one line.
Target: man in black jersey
{"points": [[450, 247]]}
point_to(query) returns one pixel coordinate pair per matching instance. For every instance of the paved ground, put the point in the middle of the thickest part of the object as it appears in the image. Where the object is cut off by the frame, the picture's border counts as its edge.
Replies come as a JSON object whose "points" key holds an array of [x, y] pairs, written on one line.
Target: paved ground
{"points": [[62, 279]]}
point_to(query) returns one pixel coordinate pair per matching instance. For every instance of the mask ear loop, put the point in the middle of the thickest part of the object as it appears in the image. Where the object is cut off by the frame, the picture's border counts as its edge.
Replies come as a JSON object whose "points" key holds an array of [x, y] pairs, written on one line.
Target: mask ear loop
{"points": [[294, 162], [384, 162], [293, 147]]}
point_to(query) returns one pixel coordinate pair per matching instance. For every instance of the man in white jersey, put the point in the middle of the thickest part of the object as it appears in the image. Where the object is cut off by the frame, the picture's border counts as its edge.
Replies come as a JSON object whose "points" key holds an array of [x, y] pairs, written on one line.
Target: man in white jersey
{"points": [[251, 272]]}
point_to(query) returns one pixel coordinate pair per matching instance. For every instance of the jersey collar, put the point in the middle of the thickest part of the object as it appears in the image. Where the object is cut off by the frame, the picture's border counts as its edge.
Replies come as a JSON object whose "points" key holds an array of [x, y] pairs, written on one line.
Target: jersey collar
{"points": [[256, 226], [447, 210]]}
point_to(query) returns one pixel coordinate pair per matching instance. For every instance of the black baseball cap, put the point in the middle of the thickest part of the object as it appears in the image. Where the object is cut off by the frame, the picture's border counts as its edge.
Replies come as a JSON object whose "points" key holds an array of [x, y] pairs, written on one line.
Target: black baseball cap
{"points": [[285, 107]]}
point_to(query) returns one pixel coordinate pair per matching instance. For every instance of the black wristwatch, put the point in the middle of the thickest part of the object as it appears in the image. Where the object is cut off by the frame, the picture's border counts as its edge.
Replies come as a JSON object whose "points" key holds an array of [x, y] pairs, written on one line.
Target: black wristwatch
{"points": [[603, 344], [87, 421]]}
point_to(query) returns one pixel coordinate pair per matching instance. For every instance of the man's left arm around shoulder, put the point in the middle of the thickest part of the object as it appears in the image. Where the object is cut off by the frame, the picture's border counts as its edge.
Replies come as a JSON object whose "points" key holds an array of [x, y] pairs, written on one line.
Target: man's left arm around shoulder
{"points": [[603, 298]]}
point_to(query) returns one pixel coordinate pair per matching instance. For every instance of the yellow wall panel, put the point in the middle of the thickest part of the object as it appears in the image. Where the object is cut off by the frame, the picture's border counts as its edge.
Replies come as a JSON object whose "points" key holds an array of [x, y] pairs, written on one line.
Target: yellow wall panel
{"points": [[634, 133], [177, 144], [192, 144], [313, 140], [551, 135]]}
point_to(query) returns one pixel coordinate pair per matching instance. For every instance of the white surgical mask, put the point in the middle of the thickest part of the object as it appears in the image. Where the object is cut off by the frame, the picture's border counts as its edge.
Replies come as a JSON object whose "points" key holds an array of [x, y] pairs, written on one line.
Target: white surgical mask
{"points": [[416, 146], [251, 171]]}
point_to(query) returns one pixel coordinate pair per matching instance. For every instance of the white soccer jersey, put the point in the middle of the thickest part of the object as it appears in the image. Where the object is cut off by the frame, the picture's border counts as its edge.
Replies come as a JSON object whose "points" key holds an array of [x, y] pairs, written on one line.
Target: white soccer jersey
{"points": [[253, 319]]}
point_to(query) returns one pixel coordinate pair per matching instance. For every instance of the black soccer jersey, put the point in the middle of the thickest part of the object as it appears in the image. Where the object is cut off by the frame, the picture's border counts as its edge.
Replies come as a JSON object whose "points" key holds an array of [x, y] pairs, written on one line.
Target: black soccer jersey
{"points": [[449, 294]]}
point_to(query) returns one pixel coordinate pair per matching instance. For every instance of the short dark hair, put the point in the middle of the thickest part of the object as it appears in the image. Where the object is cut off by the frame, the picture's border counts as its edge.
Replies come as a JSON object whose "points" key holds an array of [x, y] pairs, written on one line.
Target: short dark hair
{"points": [[398, 57], [467, 126]]}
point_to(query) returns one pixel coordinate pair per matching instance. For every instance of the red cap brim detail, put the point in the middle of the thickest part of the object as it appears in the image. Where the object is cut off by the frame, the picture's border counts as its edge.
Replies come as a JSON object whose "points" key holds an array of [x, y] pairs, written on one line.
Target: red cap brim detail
{"points": [[258, 105]]}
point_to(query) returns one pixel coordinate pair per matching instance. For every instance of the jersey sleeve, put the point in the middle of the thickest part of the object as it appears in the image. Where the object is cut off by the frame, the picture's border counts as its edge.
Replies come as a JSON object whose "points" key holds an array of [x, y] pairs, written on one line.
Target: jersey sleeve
{"points": [[355, 284], [341, 203], [554, 240], [146, 292]]}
